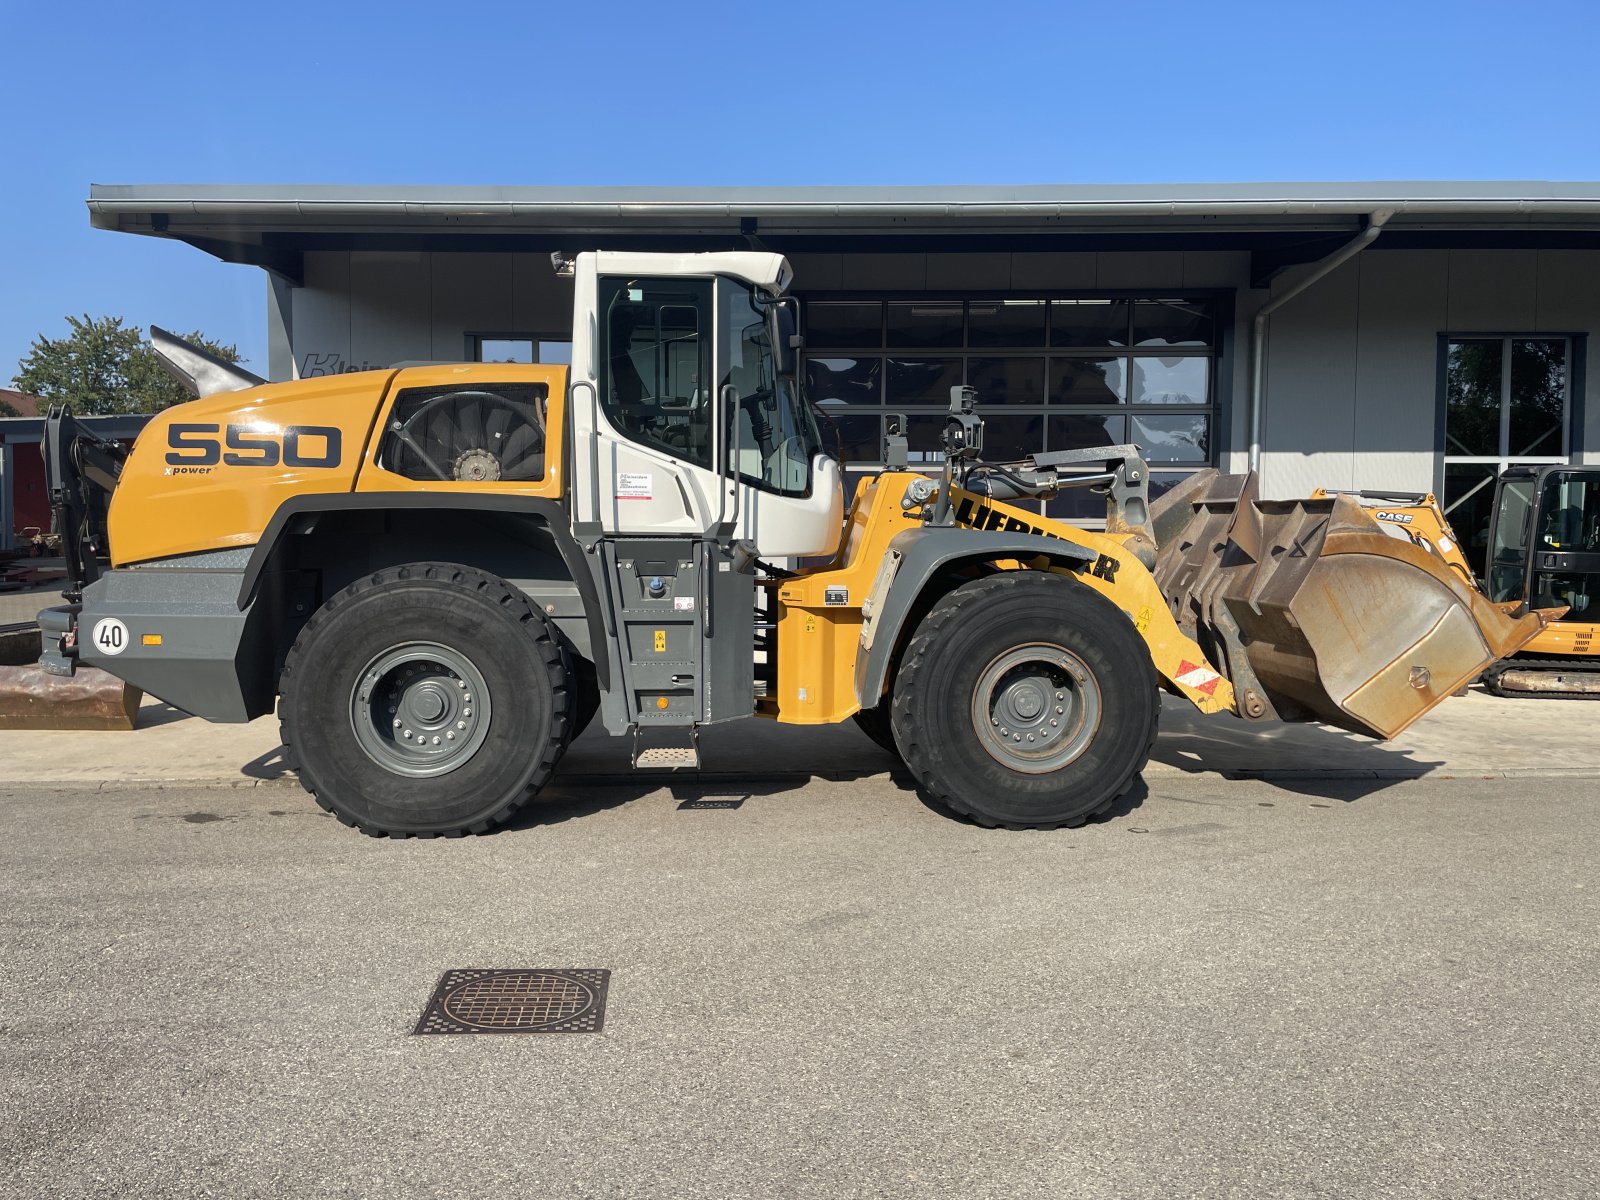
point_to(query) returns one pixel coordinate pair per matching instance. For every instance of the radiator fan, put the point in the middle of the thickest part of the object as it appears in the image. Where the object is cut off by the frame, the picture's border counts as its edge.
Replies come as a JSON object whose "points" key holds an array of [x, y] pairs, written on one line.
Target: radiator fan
{"points": [[474, 437]]}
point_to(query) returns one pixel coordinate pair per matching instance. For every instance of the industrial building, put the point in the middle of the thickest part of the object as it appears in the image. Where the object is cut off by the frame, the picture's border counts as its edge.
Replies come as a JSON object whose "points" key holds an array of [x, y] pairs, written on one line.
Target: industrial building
{"points": [[1405, 336]]}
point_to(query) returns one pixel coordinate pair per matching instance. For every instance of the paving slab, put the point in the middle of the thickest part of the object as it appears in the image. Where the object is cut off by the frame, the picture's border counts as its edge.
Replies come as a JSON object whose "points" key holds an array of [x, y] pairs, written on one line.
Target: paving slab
{"points": [[1472, 735]]}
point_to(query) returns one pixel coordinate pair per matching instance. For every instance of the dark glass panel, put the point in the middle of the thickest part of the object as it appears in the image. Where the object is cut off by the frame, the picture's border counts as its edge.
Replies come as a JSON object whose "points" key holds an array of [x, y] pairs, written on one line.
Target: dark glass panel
{"points": [[1509, 538], [844, 380], [1005, 323], [1172, 323], [924, 437], [1468, 503], [1178, 380], [1096, 381], [923, 380], [1089, 322], [1011, 436], [1538, 395], [925, 323], [860, 437], [1007, 380], [1472, 399], [1175, 439], [844, 325], [1080, 431], [1077, 506]]}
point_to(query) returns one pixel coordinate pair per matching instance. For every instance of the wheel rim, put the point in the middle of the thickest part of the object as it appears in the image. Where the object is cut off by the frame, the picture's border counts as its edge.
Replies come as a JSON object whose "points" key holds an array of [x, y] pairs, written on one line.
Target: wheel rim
{"points": [[1036, 708], [420, 709]]}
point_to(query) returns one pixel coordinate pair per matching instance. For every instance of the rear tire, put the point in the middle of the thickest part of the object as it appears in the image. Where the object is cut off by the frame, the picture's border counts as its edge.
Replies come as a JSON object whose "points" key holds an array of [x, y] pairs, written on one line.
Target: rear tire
{"points": [[1026, 700], [456, 661]]}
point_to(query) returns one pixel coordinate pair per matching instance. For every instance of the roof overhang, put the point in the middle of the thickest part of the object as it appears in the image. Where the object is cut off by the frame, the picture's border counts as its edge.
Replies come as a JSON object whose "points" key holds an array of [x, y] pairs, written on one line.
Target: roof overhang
{"points": [[1280, 224]]}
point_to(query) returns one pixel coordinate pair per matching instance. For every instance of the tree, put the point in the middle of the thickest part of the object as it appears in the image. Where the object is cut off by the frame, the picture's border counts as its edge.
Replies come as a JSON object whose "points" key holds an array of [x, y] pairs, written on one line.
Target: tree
{"points": [[103, 367]]}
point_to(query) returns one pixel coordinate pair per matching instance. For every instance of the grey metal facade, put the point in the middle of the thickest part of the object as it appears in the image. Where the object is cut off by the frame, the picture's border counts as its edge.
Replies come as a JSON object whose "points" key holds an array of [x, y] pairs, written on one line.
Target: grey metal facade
{"points": [[1352, 381]]}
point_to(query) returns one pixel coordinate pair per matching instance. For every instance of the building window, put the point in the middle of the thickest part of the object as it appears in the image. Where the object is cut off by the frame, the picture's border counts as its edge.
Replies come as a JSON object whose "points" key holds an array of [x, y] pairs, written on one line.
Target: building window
{"points": [[518, 348], [1506, 401], [1051, 374]]}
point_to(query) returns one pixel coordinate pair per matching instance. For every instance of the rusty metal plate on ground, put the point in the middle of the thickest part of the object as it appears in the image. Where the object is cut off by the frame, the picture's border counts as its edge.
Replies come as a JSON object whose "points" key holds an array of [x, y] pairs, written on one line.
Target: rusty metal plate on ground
{"points": [[30, 698], [538, 1000]]}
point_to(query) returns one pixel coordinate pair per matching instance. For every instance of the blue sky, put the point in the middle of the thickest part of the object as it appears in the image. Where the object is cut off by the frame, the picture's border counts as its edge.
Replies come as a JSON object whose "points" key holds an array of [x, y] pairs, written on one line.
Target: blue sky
{"points": [[749, 93]]}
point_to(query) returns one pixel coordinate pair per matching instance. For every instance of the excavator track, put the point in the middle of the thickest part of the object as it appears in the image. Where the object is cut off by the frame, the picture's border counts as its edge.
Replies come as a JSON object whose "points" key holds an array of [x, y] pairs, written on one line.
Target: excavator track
{"points": [[1577, 678]]}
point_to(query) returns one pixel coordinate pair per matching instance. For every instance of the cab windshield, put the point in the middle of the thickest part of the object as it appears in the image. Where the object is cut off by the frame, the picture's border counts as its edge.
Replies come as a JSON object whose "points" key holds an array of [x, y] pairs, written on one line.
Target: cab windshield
{"points": [[771, 433]]}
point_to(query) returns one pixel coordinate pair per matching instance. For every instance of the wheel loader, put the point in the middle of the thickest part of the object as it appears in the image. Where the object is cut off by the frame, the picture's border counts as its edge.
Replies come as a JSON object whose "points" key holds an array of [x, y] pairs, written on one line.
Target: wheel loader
{"points": [[440, 574]]}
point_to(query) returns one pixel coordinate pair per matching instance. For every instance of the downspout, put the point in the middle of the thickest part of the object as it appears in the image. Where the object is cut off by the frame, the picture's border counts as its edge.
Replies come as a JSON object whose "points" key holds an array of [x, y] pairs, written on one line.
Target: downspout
{"points": [[1258, 339]]}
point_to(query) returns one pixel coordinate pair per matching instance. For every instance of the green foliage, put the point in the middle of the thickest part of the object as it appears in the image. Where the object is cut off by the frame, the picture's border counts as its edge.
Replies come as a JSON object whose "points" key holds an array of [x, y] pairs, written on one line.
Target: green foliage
{"points": [[102, 367], [8, 409]]}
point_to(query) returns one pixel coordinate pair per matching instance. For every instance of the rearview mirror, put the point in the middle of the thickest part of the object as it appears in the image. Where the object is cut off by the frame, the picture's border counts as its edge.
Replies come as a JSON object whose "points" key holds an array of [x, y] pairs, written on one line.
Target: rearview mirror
{"points": [[786, 339]]}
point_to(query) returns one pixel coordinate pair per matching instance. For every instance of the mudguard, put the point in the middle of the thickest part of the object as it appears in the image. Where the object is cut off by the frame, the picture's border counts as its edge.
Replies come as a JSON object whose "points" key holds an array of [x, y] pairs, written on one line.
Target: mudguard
{"points": [[915, 556]]}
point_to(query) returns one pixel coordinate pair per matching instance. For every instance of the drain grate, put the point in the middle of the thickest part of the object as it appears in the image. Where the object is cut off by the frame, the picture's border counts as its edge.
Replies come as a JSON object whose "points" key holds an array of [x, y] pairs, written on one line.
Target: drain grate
{"points": [[712, 802], [564, 1000]]}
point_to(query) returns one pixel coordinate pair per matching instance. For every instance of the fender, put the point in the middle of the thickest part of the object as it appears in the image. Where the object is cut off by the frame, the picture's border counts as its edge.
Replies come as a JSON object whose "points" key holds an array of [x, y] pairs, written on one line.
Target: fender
{"points": [[297, 515], [913, 559]]}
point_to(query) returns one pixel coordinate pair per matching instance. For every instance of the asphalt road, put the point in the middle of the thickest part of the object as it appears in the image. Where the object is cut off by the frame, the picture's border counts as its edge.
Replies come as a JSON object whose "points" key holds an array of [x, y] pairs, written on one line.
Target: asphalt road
{"points": [[1231, 989]]}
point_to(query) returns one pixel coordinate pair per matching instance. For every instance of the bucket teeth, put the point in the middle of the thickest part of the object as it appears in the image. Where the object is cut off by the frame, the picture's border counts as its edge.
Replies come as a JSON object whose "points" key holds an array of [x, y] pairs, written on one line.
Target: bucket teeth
{"points": [[1314, 612]]}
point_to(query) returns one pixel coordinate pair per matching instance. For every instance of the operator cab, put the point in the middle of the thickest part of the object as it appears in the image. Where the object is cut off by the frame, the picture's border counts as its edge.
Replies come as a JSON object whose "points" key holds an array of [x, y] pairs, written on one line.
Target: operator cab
{"points": [[687, 409], [1544, 547]]}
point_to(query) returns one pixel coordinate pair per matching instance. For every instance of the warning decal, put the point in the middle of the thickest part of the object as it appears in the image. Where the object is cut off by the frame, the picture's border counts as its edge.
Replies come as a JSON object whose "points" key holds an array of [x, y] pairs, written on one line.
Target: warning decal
{"points": [[1201, 679]]}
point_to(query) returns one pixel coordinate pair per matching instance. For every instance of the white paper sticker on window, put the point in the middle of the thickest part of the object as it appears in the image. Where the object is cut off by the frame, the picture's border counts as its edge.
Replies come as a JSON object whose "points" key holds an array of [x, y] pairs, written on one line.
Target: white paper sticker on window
{"points": [[634, 485]]}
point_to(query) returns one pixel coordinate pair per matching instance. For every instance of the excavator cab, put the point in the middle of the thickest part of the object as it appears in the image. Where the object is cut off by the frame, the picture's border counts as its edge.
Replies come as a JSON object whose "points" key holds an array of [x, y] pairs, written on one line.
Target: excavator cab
{"points": [[1544, 557], [1544, 540]]}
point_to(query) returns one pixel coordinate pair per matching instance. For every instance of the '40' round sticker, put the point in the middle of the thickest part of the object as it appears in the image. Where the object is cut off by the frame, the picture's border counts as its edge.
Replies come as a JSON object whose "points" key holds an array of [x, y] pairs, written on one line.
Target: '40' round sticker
{"points": [[110, 636]]}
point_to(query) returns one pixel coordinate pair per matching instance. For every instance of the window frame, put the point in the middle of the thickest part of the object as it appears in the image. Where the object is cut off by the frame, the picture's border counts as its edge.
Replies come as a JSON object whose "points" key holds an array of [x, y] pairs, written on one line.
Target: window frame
{"points": [[1218, 407], [475, 340], [1572, 406]]}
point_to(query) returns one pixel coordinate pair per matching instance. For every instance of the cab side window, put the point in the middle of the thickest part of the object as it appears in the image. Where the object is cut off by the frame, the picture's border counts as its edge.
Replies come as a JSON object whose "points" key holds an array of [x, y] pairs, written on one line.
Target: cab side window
{"points": [[655, 363]]}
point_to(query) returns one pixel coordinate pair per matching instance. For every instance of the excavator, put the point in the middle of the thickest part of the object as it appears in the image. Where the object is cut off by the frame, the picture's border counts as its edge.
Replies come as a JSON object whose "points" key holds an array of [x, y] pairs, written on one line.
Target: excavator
{"points": [[440, 574]]}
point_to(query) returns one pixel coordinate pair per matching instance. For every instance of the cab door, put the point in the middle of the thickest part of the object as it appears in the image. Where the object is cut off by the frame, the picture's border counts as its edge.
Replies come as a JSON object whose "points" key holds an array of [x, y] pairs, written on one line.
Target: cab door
{"points": [[644, 404]]}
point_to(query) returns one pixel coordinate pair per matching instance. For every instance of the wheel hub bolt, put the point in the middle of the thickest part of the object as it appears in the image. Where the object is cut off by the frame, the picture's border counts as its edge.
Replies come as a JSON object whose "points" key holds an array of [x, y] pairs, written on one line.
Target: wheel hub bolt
{"points": [[466, 712], [435, 741], [449, 736], [461, 724], [396, 720], [1059, 712]]}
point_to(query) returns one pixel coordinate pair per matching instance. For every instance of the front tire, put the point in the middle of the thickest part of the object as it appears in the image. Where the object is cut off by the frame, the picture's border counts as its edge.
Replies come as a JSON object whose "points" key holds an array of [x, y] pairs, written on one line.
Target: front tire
{"points": [[429, 699], [877, 724], [1026, 700]]}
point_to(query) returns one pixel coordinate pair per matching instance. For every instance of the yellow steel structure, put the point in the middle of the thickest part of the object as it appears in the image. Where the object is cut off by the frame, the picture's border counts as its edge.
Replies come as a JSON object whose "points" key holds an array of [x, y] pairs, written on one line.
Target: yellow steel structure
{"points": [[818, 642]]}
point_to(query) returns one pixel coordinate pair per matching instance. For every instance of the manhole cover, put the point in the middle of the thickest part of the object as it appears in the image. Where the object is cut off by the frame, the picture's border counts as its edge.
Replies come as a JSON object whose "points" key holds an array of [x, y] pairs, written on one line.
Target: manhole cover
{"points": [[565, 1000]]}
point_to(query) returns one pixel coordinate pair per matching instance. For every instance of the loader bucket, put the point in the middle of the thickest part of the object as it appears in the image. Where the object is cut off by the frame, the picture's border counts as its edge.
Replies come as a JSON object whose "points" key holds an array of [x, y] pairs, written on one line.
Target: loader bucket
{"points": [[1315, 612]]}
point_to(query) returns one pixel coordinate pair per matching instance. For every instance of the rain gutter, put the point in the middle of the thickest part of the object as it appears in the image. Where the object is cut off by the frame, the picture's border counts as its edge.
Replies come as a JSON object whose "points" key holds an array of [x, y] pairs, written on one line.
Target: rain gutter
{"points": [[1258, 338]]}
